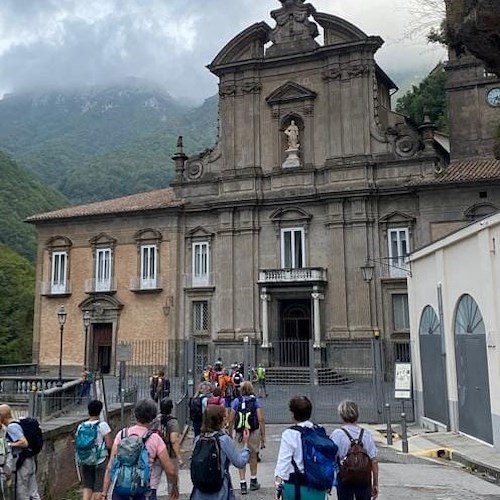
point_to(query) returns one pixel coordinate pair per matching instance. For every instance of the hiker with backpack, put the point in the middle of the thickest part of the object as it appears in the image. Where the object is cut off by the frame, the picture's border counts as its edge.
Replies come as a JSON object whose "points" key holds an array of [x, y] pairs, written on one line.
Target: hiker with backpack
{"points": [[198, 404], [153, 386], [227, 388], [92, 442], [213, 452], [247, 414], [307, 458], [358, 475], [167, 427], [130, 473], [25, 441]]}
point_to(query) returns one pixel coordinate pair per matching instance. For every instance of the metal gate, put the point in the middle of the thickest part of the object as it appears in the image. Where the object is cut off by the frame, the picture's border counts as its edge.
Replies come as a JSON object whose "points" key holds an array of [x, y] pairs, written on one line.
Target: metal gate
{"points": [[474, 407], [433, 367], [359, 370]]}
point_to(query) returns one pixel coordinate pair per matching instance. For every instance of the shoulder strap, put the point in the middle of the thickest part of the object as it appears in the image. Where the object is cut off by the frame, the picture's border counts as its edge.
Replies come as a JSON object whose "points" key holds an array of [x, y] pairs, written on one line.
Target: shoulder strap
{"points": [[147, 435], [360, 438], [297, 428], [349, 436]]}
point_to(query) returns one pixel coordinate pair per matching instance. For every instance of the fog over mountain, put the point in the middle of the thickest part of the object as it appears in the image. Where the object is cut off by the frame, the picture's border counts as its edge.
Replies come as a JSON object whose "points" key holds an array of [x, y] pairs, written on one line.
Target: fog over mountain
{"points": [[47, 44]]}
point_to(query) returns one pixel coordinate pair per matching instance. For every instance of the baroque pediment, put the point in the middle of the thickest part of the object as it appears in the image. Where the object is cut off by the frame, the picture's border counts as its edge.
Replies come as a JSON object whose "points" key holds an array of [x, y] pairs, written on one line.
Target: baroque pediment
{"points": [[397, 217], [289, 92]]}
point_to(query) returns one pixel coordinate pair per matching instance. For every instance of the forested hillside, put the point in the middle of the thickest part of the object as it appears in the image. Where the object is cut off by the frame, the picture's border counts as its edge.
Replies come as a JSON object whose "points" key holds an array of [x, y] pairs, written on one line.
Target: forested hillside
{"points": [[22, 194], [17, 277], [103, 142]]}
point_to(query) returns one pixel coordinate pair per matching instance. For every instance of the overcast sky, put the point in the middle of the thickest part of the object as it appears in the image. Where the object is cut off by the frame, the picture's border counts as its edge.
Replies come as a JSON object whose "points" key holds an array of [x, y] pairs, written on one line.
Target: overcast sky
{"points": [[68, 43]]}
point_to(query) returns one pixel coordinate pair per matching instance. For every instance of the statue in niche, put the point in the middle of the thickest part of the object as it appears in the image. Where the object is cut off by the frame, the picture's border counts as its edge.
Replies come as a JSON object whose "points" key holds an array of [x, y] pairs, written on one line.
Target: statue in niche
{"points": [[292, 159], [292, 133]]}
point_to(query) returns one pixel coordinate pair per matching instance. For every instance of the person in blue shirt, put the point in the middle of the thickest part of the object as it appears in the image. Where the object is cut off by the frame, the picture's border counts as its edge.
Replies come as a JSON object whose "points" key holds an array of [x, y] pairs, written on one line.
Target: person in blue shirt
{"points": [[249, 405]]}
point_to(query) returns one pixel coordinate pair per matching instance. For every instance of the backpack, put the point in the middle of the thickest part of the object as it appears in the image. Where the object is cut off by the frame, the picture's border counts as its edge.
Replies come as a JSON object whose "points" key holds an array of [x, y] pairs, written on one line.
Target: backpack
{"points": [[228, 387], [4, 449], [162, 427], [33, 434], [207, 473], [237, 378], [86, 448], [131, 472], [261, 373], [246, 416], [319, 454], [214, 400], [356, 468], [196, 409]]}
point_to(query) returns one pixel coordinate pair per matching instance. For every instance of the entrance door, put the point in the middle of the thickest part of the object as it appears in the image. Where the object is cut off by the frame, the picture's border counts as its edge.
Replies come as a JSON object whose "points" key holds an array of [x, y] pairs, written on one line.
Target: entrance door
{"points": [[474, 406], [295, 332], [433, 369], [102, 343]]}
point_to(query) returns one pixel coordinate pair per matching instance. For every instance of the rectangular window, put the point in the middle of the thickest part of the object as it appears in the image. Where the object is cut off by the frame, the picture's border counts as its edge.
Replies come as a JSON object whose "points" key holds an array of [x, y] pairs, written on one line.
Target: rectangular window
{"points": [[103, 270], [292, 248], [200, 263], [399, 248], [148, 266], [400, 314], [200, 316], [58, 281]]}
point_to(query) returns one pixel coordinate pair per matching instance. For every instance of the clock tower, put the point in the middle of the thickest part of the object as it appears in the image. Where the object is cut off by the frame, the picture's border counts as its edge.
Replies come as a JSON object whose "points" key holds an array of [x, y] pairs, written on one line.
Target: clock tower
{"points": [[474, 107]]}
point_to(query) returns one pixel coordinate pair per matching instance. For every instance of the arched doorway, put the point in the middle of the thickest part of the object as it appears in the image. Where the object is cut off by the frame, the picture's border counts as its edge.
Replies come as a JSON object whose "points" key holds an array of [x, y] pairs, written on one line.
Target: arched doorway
{"points": [[295, 332], [474, 407], [433, 367]]}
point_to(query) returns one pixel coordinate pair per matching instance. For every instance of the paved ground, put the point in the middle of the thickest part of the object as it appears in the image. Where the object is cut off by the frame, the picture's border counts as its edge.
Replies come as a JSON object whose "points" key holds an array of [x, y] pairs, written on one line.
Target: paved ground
{"points": [[402, 476]]}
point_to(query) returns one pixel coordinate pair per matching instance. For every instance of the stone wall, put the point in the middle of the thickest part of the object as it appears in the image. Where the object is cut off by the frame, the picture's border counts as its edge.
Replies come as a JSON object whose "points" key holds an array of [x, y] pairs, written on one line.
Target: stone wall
{"points": [[56, 462]]}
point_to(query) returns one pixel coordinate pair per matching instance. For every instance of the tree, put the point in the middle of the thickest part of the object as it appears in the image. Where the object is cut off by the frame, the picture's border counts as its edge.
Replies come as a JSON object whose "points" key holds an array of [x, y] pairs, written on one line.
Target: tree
{"points": [[17, 276], [428, 98]]}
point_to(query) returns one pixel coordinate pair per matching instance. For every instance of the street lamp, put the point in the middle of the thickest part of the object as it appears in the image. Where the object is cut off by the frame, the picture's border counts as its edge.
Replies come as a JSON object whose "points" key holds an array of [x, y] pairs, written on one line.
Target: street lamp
{"points": [[86, 323], [61, 316], [367, 271]]}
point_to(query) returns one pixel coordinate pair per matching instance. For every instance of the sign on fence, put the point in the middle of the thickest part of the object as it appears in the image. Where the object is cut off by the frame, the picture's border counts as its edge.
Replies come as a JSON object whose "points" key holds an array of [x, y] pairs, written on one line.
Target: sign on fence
{"points": [[402, 381], [123, 352]]}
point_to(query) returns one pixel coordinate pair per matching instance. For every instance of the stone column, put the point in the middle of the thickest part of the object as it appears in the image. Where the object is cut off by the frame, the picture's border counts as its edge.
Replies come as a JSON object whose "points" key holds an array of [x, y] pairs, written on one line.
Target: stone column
{"points": [[316, 296], [264, 297]]}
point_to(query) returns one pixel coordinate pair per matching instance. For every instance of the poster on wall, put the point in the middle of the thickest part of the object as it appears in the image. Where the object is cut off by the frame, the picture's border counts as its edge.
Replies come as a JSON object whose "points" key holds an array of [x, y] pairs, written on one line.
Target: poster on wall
{"points": [[402, 381]]}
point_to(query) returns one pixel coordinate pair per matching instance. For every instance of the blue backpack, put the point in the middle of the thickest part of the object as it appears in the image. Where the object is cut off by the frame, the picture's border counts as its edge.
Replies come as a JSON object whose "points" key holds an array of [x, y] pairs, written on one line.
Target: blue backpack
{"points": [[131, 472], [320, 458], [86, 448]]}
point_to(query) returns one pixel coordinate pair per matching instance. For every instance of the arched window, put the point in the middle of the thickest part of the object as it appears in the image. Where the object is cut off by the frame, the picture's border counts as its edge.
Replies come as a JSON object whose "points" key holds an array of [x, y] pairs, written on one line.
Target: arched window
{"points": [[429, 322], [468, 317]]}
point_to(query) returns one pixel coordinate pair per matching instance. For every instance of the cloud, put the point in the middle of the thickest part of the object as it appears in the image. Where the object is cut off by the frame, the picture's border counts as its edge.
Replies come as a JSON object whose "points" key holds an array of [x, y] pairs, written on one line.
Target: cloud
{"points": [[70, 43]]}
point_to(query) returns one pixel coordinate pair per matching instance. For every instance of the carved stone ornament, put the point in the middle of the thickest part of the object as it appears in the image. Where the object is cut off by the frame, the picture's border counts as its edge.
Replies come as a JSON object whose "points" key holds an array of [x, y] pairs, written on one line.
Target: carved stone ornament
{"points": [[358, 70], [294, 32], [251, 87], [406, 146], [194, 170], [332, 74], [227, 90]]}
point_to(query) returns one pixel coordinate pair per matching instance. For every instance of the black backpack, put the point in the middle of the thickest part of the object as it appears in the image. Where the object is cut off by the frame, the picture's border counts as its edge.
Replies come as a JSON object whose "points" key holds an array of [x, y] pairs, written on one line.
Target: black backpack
{"points": [[196, 409], [356, 468], [246, 416], [33, 434], [207, 471], [162, 428]]}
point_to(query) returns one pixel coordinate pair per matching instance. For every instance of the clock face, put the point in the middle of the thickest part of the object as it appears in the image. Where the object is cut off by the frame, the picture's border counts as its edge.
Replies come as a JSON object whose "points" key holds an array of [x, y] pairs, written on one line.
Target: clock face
{"points": [[493, 97]]}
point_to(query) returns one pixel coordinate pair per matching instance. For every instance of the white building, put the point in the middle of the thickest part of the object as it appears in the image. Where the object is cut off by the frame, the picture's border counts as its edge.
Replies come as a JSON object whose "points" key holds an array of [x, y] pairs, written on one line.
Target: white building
{"points": [[454, 298]]}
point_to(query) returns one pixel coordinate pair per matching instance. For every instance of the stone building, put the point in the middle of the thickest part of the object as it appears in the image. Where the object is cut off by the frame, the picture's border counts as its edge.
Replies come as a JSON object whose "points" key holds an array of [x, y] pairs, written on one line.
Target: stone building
{"points": [[263, 237]]}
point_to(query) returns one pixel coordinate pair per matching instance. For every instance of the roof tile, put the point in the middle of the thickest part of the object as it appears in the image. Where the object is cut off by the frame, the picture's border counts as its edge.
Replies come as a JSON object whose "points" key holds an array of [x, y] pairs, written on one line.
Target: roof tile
{"points": [[151, 200]]}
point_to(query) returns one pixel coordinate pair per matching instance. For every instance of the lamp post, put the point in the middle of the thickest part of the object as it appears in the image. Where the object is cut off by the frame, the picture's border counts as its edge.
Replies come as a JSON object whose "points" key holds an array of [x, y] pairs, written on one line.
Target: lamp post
{"points": [[61, 316], [86, 324]]}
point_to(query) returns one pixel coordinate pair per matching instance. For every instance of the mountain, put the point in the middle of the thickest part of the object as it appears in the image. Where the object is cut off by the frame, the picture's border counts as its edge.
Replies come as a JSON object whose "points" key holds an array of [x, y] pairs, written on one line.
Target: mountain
{"points": [[102, 142], [22, 194]]}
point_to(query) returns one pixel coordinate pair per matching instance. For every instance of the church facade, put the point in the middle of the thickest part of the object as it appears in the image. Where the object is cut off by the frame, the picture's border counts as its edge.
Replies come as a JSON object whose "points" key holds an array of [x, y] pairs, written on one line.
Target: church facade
{"points": [[294, 227]]}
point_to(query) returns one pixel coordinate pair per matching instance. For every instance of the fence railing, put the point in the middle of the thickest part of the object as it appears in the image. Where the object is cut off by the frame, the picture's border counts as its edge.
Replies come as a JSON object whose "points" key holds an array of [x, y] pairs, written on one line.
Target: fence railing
{"points": [[55, 401]]}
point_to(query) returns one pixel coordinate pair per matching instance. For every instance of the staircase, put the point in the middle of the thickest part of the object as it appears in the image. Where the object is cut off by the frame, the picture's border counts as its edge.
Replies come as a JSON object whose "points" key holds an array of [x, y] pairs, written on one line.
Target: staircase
{"points": [[301, 376]]}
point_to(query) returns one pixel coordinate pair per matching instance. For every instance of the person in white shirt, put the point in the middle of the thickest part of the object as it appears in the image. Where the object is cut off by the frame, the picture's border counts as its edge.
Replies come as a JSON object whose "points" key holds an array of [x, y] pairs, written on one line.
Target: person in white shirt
{"points": [[291, 449]]}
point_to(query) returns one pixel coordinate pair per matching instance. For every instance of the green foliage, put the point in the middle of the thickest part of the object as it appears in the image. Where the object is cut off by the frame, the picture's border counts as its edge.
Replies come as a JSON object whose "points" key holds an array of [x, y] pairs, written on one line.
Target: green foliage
{"points": [[17, 276], [428, 98], [22, 195], [103, 143]]}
